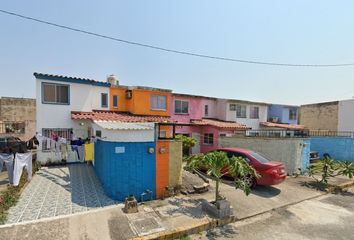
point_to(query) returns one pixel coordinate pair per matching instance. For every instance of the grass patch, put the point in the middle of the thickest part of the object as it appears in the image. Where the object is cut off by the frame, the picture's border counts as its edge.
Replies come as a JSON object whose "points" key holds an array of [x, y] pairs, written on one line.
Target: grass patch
{"points": [[10, 196]]}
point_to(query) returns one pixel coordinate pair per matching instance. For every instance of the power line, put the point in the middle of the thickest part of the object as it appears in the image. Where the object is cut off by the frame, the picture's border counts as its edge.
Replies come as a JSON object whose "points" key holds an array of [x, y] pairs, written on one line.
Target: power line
{"points": [[172, 50]]}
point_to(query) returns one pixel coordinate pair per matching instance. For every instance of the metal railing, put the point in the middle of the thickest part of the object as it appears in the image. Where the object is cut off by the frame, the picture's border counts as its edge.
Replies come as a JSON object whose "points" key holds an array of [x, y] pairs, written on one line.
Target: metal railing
{"points": [[279, 133]]}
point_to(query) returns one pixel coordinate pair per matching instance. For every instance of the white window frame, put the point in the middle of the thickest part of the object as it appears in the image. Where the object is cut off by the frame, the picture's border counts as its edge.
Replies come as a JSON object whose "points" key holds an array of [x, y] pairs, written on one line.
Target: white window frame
{"points": [[239, 112], [159, 106], [180, 102], [254, 117]]}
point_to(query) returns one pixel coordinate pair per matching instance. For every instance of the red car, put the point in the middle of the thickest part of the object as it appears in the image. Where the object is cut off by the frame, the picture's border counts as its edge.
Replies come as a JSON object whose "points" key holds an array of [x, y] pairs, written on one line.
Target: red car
{"points": [[271, 172]]}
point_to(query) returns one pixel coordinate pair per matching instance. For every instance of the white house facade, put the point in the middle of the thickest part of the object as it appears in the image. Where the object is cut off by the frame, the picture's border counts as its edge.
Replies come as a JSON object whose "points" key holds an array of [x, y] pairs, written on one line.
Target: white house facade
{"points": [[57, 96], [248, 113]]}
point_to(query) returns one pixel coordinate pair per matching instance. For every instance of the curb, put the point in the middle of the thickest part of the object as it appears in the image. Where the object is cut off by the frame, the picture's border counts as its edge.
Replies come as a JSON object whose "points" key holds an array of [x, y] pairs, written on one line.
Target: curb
{"points": [[208, 224], [340, 187], [203, 225]]}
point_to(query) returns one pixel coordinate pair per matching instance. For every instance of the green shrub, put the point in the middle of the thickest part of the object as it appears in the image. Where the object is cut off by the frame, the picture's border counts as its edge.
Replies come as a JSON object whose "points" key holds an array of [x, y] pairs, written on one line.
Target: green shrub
{"points": [[187, 143], [327, 168]]}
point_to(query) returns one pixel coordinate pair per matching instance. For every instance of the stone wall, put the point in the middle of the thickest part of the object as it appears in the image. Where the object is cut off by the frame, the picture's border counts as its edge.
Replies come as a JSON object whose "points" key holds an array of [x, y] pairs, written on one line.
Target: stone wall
{"points": [[175, 164], [19, 110], [321, 116], [290, 151]]}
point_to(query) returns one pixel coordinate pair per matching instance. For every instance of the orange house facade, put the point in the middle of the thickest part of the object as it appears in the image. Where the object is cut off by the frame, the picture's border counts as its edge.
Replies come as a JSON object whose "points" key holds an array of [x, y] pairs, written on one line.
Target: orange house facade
{"points": [[140, 100]]}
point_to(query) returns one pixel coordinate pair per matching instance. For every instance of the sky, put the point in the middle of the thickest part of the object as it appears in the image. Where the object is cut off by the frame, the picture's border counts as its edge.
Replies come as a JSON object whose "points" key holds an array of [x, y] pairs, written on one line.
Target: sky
{"points": [[298, 32]]}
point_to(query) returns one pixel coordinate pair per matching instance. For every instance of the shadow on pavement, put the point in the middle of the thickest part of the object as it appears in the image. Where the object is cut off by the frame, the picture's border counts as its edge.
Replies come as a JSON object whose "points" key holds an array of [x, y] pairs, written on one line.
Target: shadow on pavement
{"points": [[227, 231], [265, 191], [189, 207]]}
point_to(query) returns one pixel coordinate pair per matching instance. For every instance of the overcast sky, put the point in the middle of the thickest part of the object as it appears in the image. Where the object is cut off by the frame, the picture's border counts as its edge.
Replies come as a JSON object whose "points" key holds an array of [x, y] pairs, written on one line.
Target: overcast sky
{"points": [[298, 32]]}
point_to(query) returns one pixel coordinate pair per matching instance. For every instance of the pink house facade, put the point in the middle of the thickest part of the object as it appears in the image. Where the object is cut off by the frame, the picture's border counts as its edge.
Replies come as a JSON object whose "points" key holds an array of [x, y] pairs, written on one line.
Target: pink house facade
{"points": [[199, 117]]}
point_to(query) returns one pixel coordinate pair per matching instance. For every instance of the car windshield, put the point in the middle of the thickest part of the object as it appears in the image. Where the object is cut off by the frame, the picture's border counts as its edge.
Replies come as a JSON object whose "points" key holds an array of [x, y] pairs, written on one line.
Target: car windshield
{"points": [[259, 157]]}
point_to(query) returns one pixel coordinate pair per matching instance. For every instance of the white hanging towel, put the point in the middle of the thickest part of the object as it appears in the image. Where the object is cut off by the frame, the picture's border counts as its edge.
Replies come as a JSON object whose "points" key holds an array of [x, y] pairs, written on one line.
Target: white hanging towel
{"points": [[8, 160], [48, 143], [22, 160]]}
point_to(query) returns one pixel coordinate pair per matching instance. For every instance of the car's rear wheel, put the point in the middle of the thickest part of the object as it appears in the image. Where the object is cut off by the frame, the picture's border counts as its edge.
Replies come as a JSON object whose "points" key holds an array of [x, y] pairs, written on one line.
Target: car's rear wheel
{"points": [[250, 181]]}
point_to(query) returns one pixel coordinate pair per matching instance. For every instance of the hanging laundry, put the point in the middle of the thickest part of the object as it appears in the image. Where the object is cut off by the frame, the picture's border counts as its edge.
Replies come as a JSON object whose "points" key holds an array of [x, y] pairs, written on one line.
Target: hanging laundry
{"points": [[52, 144], [8, 160], [22, 160], [81, 151], [48, 143], [63, 151], [89, 152]]}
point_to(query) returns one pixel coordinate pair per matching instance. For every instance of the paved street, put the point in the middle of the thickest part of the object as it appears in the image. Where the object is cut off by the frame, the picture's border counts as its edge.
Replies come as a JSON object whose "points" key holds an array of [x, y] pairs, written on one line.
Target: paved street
{"points": [[56, 191], [326, 217]]}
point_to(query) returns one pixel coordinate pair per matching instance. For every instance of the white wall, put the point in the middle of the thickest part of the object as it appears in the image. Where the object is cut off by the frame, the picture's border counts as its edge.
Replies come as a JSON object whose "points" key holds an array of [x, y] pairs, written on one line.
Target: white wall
{"points": [[346, 115], [252, 123], [83, 97], [126, 135]]}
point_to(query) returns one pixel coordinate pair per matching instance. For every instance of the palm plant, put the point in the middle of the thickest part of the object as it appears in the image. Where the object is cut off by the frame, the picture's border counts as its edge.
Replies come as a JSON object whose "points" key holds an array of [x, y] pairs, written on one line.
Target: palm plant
{"points": [[216, 162], [326, 168]]}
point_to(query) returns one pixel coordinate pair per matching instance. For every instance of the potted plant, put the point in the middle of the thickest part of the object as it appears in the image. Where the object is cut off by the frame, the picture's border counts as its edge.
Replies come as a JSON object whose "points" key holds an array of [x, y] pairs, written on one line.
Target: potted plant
{"points": [[216, 164]]}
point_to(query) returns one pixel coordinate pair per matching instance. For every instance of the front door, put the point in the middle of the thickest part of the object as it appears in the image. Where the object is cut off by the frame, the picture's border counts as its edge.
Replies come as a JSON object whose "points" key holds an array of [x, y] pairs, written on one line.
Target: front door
{"points": [[196, 148]]}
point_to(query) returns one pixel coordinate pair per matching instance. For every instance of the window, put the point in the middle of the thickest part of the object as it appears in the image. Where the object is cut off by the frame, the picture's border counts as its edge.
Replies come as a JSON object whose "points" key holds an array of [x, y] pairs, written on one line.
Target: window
{"points": [[55, 93], [254, 112], [115, 101], [208, 138], [52, 132], [232, 107], [241, 111], [158, 102], [292, 114], [98, 133], [104, 100], [206, 110], [181, 107], [14, 127]]}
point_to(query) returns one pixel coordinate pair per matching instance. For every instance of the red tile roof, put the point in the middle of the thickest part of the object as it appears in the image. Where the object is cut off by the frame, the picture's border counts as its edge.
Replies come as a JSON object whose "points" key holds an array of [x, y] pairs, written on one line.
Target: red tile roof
{"points": [[117, 117], [282, 125], [219, 124]]}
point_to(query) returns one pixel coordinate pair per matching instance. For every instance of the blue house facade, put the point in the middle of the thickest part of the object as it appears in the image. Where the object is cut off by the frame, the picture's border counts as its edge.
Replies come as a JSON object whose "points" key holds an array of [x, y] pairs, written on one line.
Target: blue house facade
{"points": [[283, 113]]}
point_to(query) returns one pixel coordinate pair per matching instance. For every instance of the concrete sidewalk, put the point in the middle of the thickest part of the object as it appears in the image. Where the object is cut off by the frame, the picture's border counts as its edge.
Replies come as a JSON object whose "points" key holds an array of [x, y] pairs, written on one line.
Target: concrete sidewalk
{"points": [[161, 217]]}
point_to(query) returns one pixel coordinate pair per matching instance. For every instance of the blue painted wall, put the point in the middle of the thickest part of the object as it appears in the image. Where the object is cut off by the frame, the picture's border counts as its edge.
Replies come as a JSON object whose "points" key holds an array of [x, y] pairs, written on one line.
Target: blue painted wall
{"points": [[305, 159], [131, 172], [339, 148], [282, 112]]}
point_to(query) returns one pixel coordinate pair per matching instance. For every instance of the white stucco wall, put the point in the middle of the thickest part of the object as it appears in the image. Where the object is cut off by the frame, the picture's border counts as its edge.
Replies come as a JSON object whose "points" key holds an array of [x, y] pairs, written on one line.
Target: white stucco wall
{"points": [[249, 122], [128, 135], [346, 115], [83, 97]]}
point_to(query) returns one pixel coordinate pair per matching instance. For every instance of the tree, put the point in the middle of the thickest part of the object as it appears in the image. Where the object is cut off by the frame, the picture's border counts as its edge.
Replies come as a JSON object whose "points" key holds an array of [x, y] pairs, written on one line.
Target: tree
{"points": [[187, 143], [326, 168], [218, 165]]}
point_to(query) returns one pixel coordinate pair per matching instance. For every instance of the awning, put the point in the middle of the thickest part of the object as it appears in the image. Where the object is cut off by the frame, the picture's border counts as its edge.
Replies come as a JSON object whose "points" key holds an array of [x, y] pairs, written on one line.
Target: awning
{"points": [[111, 125]]}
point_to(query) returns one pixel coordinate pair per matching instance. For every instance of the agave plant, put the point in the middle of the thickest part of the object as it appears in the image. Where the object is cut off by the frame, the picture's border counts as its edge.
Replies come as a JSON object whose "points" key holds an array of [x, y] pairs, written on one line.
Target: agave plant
{"points": [[216, 162], [328, 168]]}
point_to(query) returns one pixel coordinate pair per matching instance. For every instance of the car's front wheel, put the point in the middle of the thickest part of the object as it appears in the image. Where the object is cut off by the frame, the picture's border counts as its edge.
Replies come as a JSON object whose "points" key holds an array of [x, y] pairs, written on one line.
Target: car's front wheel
{"points": [[250, 181]]}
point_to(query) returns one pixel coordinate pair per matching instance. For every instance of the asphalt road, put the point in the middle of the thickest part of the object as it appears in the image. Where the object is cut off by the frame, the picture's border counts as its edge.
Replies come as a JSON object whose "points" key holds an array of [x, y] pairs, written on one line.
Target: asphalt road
{"points": [[325, 217]]}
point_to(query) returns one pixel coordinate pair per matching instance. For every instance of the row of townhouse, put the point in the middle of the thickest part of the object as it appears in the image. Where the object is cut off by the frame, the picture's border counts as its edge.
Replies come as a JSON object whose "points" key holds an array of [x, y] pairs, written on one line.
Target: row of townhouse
{"points": [[69, 105]]}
